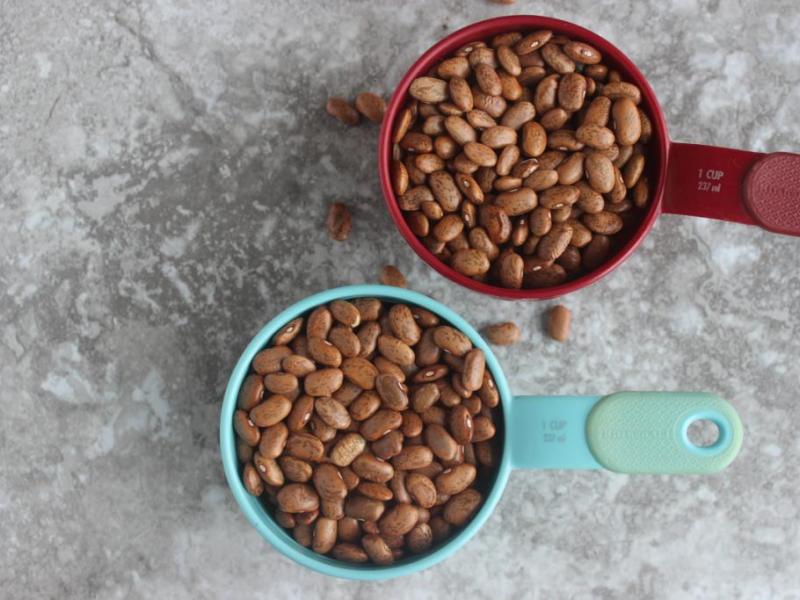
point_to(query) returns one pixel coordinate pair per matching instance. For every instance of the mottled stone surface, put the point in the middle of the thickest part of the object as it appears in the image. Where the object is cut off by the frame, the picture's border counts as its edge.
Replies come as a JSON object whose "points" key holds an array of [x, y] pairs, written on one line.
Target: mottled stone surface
{"points": [[165, 166]]}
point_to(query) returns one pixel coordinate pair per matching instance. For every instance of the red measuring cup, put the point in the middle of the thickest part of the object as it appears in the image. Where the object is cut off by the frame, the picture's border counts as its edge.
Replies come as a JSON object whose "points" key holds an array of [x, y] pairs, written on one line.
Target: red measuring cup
{"points": [[687, 179]]}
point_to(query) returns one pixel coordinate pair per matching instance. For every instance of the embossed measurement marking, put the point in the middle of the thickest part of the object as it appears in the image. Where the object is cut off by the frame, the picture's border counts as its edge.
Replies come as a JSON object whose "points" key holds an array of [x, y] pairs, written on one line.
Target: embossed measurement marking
{"points": [[709, 180], [553, 431]]}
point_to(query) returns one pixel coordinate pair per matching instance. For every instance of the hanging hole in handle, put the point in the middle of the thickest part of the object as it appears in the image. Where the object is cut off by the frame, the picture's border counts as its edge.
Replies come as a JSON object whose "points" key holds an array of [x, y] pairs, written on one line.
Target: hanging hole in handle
{"points": [[706, 433], [703, 433]]}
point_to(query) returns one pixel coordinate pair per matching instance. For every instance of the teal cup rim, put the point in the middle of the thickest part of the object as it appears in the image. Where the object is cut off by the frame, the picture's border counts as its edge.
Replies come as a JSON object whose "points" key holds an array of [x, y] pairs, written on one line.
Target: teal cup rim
{"points": [[252, 507]]}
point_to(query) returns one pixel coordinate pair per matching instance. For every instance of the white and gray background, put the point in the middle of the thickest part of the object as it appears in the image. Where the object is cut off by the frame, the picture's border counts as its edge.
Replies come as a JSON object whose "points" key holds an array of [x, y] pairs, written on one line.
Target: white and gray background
{"points": [[165, 168]]}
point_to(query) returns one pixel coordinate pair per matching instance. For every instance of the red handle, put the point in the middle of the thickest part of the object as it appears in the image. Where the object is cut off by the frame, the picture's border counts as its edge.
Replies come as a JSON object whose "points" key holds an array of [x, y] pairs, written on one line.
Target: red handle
{"points": [[735, 185]]}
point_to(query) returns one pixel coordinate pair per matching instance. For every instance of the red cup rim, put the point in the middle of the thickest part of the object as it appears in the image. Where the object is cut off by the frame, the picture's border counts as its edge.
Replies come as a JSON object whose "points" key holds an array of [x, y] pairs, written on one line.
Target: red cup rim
{"points": [[481, 31]]}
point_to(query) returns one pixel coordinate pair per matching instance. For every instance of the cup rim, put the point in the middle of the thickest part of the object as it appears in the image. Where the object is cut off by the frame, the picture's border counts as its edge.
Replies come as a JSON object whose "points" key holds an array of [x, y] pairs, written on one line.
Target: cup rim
{"points": [[484, 29], [252, 507]]}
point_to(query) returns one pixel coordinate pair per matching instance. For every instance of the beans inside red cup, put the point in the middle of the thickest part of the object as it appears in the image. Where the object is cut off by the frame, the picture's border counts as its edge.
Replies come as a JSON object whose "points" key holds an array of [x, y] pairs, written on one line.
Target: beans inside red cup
{"points": [[526, 157]]}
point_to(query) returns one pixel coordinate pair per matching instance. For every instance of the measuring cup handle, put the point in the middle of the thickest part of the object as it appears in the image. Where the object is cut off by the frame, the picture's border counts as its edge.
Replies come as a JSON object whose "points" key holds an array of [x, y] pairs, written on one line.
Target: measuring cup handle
{"points": [[627, 432], [735, 185]]}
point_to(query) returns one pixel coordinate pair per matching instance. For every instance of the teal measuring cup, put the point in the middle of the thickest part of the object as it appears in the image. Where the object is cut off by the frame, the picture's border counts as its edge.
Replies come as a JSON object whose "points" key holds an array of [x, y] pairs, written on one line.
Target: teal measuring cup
{"points": [[626, 432]]}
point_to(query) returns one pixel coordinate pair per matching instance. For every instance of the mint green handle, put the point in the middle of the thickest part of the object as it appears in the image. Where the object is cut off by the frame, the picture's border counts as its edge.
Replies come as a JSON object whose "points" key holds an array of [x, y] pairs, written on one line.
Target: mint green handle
{"points": [[627, 432], [646, 432]]}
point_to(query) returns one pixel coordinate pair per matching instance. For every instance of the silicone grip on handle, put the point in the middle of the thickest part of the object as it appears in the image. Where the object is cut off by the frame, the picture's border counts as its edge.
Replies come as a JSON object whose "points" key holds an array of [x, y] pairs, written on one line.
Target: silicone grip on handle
{"points": [[771, 192], [647, 432]]}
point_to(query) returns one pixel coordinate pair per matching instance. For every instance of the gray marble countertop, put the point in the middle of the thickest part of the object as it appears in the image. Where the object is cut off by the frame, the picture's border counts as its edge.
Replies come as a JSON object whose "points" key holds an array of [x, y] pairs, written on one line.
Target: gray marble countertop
{"points": [[165, 167]]}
